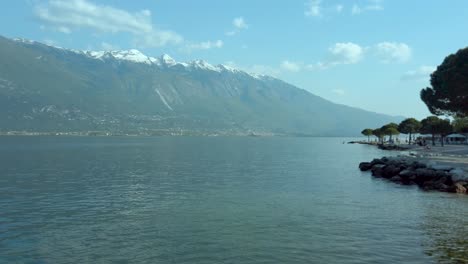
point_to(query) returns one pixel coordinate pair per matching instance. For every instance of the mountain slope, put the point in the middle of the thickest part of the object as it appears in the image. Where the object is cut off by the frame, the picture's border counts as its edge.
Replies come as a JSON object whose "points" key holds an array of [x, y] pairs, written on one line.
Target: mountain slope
{"points": [[44, 88]]}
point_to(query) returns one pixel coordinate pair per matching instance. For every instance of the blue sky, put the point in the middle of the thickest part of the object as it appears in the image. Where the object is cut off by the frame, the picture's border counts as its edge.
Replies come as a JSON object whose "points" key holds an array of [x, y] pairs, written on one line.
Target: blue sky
{"points": [[372, 54]]}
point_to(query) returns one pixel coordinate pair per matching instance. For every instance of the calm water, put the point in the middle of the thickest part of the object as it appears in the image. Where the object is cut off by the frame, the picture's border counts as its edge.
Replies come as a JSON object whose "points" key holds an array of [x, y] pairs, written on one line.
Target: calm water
{"points": [[215, 200]]}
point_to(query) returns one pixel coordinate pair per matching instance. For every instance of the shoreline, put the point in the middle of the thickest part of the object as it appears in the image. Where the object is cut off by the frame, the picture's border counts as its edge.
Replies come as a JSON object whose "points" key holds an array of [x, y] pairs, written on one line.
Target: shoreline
{"points": [[438, 168]]}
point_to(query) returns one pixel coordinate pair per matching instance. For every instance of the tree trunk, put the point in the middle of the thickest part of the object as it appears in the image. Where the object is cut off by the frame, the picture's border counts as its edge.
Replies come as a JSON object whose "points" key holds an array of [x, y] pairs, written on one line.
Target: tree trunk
{"points": [[433, 140], [441, 140], [410, 138]]}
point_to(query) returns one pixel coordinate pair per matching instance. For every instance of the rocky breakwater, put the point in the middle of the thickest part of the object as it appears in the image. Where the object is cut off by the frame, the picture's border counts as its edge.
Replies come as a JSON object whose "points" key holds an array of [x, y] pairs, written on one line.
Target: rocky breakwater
{"points": [[410, 171]]}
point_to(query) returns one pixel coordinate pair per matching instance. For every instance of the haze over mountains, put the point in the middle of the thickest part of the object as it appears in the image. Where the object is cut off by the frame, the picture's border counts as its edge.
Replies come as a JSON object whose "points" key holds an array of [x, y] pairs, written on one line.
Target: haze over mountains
{"points": [[49, 89]]}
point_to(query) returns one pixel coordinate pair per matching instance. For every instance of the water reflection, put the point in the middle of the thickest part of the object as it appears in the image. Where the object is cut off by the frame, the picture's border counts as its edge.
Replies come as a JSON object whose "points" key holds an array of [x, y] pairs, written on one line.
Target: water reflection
{"points": [[446, 227]]}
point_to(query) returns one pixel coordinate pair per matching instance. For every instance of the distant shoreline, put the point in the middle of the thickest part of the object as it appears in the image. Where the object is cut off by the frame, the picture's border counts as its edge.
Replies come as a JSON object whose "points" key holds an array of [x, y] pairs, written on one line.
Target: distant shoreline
{"points": [[165, 133]]}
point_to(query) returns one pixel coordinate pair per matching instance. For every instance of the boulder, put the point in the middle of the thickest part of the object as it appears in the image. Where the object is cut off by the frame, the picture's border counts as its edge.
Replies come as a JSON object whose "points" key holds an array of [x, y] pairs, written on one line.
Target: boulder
{"points": [[396, 179], [365, 166], [390, 171], [441, 187], [460, 188], [442, 167], [429, 177], [377, 161], [405, 174], [428, 185], [425, 174], [459, 174], [418, 165], [377, 170]]}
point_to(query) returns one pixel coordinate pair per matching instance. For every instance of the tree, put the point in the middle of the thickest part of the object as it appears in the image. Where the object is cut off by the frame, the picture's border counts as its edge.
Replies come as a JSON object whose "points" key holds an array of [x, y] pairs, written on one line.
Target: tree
{"points": [[409, 126], [390, 130], [444, 128], [434, 125], [460, 125], [449, 92], [367, 132], [379, 134]]}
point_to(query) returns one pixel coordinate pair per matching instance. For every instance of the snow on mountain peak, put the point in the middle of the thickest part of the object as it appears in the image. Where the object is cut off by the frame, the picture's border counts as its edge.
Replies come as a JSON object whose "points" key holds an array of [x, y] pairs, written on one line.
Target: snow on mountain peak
{"points": [[168, 60], [203, 65], [136, 56]]}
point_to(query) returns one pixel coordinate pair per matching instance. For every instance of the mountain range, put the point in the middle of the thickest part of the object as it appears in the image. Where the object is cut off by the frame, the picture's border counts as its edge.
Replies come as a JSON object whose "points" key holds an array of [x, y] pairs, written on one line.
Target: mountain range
{"points": [[50, 89]]}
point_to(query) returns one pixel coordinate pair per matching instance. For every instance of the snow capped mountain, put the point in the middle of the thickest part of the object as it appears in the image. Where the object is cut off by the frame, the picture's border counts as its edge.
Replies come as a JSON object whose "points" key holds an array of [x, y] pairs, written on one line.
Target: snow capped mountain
{"points": [[126, 91], [132, 55], [164, 61]]}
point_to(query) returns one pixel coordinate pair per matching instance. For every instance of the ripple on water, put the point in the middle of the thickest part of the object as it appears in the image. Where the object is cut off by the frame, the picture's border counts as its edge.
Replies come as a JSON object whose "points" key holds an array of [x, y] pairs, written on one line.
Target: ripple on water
{"points": [[215, 200]]}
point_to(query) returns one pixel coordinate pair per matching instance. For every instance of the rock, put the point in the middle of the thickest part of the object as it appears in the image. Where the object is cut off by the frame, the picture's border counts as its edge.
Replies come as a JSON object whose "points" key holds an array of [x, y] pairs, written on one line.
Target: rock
{"points": [[391, 147], [441, 187], [447, 180], [459, 175], [396, 179], [425, 173], [377, 161], [405, 174], [365, 166], [390, 171], [377, 170], [428, 177], [418, 165], [428, 185], [442, 167], [460, 188]]}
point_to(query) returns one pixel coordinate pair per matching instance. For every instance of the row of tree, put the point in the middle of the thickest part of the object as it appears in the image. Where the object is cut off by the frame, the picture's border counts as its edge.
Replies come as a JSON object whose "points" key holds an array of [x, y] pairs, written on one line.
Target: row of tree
{"points": [[410, 126], [448, 95]]}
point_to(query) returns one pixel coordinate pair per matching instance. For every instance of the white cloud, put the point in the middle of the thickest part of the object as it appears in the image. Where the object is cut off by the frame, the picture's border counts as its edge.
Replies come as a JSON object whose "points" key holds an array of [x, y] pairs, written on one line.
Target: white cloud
{"points": [[290, 66], [423, 73], [346, 53], [339, 53], [375, 5], [206, 45], [64, 30], [67, 15], [371, 5], [313, 8], [239, 25], [339, 92], [339, 8], [352, 53], [393, 52]]}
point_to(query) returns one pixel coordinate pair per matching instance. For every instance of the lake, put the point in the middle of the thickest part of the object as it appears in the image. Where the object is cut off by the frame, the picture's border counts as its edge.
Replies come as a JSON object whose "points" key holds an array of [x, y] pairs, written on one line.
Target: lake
{"points": [[215, 200]]}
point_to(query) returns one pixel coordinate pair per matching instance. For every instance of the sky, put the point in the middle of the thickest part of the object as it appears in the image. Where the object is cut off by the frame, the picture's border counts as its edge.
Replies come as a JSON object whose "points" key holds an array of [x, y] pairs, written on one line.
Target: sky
{"points": [[372, 54]]}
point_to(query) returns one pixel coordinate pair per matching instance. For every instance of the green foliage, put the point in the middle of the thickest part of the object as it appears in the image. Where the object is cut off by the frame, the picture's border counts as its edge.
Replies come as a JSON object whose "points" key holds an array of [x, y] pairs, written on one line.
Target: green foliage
{"points": [[409, 126], [367, 132], [460, 125], [390, 129], [378, 133], [449, 92], [429, 125], [436, 126]]}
